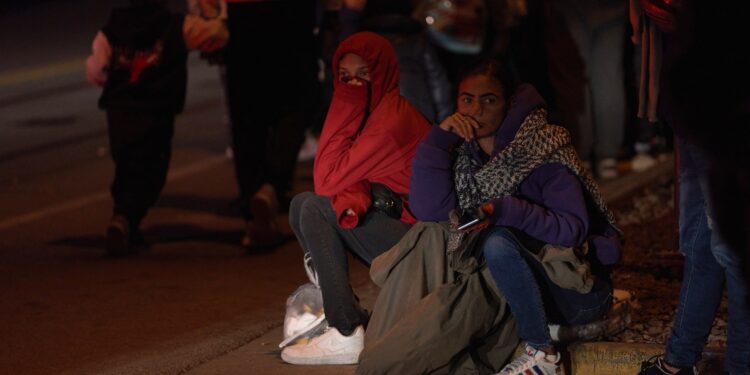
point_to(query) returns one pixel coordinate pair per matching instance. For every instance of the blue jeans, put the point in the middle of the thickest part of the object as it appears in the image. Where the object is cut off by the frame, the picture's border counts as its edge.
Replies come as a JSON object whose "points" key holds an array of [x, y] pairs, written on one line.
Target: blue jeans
{"points": [[314, 223], [533, 298], [709, 264]]}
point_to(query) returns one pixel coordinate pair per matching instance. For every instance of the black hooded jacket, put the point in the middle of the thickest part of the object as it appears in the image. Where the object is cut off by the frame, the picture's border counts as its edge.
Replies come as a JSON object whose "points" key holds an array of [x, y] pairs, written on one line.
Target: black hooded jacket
{"points": [[148, 68]]}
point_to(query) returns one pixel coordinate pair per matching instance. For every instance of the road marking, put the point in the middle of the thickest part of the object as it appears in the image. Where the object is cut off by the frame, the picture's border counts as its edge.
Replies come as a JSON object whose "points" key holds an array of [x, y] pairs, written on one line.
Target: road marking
{"points": [[42, 71], [179, 173]]}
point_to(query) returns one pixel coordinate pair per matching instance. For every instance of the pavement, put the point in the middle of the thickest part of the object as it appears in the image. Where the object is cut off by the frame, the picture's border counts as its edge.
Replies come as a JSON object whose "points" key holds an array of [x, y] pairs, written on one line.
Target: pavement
{"points": [[261, 355], [39, 66]]}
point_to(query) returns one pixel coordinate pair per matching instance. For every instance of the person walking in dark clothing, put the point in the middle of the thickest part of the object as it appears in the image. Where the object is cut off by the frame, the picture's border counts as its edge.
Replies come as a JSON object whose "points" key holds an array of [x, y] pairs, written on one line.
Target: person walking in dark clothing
{"points": [[140, 59], [272, 87]]}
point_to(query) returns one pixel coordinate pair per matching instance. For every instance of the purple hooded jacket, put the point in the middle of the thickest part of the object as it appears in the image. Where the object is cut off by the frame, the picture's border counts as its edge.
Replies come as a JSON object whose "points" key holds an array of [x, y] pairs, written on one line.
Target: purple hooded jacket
{"points": [[548, 206]]}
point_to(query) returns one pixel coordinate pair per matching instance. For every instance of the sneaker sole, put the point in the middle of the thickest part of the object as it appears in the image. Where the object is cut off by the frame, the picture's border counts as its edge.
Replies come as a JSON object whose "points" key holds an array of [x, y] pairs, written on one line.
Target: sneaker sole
{"points": [[338, 359]]}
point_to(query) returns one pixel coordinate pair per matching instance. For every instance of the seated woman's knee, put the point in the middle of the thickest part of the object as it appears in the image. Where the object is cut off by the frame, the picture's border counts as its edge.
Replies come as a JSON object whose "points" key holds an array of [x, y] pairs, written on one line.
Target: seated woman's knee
{"points": [[295, 206], [499, 245], [317, 207]]}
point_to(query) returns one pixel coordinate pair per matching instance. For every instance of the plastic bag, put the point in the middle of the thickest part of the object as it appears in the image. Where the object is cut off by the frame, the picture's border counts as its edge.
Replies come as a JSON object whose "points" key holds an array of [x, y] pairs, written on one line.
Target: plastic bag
{"points": [[304, 316]]}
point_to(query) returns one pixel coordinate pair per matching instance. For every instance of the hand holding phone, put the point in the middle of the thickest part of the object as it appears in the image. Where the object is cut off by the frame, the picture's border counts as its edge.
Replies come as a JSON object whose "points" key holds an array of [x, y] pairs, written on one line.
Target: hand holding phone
{"points": [[468, 221]]}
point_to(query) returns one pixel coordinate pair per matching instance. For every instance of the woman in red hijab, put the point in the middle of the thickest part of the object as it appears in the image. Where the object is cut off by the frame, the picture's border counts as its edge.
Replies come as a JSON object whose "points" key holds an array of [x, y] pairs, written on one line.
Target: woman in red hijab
{"points": [[361, 174]]}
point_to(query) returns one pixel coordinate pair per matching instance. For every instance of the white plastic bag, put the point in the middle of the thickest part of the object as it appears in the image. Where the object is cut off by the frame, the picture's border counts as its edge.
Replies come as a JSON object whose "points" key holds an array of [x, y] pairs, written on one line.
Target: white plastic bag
{"points": [[304, 317]]}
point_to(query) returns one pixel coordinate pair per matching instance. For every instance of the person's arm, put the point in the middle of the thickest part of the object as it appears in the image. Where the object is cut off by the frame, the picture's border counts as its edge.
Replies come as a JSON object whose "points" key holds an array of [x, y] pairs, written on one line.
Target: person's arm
{"points": [[351, 204], [433, 193], [211, 8], [206, 35], [561, 218], [98, 61], [343, 160]]}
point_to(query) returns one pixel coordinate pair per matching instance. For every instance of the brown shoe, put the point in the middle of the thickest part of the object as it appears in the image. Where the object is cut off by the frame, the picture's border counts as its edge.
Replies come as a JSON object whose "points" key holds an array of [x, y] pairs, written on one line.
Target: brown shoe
{"points": [[118, 236], [263, 231]]}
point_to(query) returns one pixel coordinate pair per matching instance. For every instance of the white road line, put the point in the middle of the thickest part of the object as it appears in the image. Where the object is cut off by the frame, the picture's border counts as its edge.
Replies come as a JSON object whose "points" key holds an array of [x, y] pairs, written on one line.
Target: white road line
{"points": [[40, 72], [179, 173]]}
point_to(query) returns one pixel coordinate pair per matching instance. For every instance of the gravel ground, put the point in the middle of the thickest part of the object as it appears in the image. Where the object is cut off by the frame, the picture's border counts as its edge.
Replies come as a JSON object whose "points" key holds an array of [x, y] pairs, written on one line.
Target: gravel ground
{"points": [[651, 267]]}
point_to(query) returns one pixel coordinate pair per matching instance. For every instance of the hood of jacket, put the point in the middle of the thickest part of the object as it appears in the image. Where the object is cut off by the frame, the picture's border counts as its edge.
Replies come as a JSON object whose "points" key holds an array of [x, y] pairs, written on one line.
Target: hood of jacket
{"points": [[522, 102], [381, 61]]}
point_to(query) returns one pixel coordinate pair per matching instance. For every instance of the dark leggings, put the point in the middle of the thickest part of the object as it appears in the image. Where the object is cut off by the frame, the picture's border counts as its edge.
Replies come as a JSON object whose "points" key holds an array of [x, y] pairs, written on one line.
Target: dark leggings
{"points": [[141, 145], [314, 223]]}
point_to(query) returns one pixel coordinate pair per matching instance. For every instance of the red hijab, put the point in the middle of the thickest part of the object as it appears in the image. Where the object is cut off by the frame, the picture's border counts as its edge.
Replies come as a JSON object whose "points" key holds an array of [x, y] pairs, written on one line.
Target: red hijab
{"points": [[352, 153]]}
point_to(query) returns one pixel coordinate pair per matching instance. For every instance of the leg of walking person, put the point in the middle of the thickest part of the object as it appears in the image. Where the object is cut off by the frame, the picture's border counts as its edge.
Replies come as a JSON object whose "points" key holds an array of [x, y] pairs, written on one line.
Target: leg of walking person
{"points": [[708, 263], [141, 146], [703, 277], [607, 80], [737, 360]]}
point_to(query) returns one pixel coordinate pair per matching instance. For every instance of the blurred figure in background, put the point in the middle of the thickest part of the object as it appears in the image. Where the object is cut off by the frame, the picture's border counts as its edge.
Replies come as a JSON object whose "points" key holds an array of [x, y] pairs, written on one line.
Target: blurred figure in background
{"points": [[423, 79], [140, 58], [273, 87], [459, 29], [597, 121]]}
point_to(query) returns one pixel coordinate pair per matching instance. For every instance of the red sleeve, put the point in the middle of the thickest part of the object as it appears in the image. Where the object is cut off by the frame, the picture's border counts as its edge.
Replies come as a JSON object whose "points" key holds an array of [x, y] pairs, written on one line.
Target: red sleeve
{"points": [[343, 161], [357, 198]]}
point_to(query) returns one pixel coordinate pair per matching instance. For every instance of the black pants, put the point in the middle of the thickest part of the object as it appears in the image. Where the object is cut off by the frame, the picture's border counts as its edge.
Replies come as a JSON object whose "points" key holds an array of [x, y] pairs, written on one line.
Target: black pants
{"points": [[272, 89], [314, 223], [141, 145]]}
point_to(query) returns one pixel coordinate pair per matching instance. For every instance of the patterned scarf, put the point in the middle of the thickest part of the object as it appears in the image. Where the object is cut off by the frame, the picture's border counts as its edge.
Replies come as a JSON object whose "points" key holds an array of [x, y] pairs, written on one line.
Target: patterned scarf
{"points": [[536, 143]]}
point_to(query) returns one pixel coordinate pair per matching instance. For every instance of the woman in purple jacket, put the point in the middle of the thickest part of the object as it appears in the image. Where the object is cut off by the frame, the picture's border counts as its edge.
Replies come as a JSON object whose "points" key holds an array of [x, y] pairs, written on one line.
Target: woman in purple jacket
{"points": [[498, 158]]}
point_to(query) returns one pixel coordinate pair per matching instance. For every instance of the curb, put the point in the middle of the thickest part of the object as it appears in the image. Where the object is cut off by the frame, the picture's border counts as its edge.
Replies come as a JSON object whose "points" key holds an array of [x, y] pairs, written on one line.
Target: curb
{"points": [[628, 184]]}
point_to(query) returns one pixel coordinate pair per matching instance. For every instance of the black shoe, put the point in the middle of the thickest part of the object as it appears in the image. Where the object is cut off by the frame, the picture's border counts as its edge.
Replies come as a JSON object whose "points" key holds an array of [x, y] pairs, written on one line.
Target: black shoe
{"points": [[655, 366], [118, 236]]}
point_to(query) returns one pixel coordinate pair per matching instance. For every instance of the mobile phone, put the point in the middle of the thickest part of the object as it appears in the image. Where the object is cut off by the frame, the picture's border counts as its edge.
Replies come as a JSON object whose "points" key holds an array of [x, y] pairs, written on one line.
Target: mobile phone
{"points": [[467, 222]]}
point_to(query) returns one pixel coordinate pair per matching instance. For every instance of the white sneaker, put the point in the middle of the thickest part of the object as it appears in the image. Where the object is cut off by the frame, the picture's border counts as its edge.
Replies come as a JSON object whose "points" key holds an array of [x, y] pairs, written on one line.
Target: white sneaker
{"points": [[330, 348], [534, 362]]}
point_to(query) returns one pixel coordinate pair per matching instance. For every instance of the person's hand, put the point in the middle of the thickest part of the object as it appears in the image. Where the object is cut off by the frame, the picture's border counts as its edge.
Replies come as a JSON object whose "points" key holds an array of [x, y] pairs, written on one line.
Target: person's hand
{"points": [[461, 125], [350, 212], [485, 210]]}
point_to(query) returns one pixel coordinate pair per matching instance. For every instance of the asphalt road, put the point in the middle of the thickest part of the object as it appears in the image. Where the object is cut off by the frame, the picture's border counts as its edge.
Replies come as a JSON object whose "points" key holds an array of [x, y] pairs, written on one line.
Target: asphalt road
{"points": [[64, 306]]}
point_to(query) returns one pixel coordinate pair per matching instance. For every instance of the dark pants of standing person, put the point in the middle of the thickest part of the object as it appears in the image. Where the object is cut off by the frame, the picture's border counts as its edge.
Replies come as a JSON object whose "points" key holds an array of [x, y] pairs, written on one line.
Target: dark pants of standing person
{"points": [[272, 87], [314, 223], [140, 143]]}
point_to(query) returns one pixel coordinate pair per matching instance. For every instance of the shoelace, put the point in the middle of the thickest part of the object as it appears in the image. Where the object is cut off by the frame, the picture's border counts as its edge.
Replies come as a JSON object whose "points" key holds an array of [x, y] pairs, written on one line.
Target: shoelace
{"points": [[521, 363], [527, 362]]}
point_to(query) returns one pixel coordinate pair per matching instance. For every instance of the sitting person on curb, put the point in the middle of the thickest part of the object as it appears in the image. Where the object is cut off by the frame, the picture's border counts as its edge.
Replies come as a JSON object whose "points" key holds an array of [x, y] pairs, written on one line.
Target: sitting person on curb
{"points": [[368, 141], [498, 159]]}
